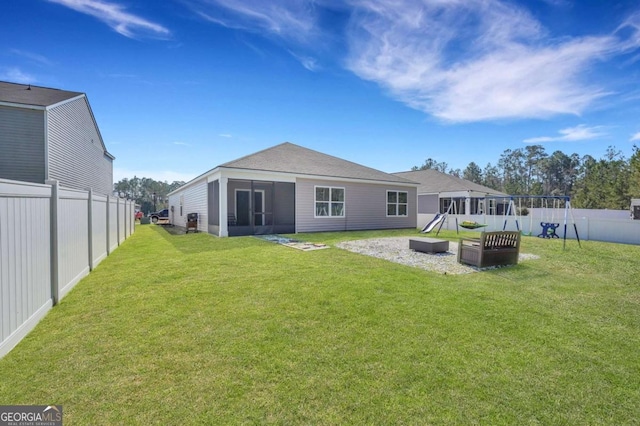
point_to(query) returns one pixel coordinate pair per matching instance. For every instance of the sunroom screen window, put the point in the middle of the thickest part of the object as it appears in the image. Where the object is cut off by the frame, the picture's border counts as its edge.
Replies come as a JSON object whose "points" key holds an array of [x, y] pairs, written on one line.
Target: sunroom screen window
{"points": [[329, 202]]}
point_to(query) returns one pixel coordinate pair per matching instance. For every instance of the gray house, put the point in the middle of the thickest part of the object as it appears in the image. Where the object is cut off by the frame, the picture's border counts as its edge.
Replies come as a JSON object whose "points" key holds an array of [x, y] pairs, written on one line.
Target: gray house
{"points": [[52, 134], [437, 191], [287, 189]]}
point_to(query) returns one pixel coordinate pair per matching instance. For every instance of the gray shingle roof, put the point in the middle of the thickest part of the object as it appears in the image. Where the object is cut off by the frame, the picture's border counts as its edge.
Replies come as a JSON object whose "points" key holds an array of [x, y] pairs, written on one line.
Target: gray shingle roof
{"points": [[432, 182], [33, 95], [291, 158]]}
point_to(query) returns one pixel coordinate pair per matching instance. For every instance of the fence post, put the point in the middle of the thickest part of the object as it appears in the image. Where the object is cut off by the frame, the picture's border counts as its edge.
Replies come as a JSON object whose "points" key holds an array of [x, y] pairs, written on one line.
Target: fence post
{"points": [[118, 220], [108, 225], [90, 221], [54, 203]]}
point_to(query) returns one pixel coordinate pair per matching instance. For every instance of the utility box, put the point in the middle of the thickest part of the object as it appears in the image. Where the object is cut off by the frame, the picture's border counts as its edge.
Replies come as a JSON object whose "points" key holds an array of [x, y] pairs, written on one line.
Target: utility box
{"points": [[192, 222], [635, 208]]}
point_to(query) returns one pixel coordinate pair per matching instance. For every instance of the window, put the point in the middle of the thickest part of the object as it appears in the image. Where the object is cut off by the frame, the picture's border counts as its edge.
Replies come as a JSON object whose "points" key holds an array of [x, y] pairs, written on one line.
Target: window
{"points": [[329, 202], [397, 204]]}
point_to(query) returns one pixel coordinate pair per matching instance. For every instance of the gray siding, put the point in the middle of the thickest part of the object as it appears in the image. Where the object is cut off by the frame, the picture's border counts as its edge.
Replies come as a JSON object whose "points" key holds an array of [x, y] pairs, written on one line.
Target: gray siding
{"points": [[76, 156], [428, 203], [22, 144], [365, 207]]}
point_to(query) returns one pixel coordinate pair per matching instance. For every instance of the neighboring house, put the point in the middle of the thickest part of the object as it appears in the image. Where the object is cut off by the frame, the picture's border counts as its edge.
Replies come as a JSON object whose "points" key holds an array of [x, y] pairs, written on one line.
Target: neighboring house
{"points": [[437, 191], [51, 134], [288, 189]]}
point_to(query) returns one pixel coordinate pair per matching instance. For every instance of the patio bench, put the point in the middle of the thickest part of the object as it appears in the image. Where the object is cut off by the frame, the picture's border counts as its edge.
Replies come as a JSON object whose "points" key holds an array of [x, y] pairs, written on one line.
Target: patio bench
{"points": [[491, 249]]}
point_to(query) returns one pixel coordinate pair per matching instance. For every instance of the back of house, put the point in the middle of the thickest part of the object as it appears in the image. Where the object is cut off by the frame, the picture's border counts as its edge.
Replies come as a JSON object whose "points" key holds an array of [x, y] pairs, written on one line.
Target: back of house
{"points": [[289, 188]]}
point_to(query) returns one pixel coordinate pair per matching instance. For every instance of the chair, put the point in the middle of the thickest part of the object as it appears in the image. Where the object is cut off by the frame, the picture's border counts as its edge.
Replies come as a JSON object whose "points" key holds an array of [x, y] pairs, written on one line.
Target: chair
{"points": [[231, 219], [491, 249]]}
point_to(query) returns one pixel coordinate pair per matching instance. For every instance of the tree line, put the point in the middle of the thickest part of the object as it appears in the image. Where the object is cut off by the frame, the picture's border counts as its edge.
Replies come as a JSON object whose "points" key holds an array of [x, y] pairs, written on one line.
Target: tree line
{"points": [[606, 183], [151, 195]]}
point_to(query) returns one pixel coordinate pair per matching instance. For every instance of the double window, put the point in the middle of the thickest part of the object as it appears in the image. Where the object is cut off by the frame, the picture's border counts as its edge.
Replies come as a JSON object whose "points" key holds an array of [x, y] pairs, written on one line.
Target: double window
{"points": [[329, 202], [397, 204]]}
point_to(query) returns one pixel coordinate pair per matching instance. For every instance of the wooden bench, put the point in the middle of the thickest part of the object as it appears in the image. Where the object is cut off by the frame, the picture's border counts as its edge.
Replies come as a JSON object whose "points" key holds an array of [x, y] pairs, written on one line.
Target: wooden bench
{"points": [[491, 249], [428, 245]]}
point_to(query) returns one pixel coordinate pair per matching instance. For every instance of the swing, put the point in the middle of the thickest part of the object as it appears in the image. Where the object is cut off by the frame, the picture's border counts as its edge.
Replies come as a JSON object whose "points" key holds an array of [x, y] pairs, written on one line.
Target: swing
{"points": [[471, 225], [549, 228]]}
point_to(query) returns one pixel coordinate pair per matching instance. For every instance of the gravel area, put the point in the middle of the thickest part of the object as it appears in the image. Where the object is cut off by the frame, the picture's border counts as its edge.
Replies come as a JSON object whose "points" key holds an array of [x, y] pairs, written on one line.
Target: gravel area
{"points": [[396, 249]]}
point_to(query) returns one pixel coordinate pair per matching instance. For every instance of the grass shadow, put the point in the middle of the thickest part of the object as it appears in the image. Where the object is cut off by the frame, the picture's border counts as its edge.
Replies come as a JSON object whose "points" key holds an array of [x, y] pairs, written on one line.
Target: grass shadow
{"points": [[202, 242]]}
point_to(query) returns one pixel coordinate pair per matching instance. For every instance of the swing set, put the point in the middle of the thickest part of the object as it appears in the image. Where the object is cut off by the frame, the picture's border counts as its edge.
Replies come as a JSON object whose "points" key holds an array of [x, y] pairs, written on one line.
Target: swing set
{"points": [[507, 204]]}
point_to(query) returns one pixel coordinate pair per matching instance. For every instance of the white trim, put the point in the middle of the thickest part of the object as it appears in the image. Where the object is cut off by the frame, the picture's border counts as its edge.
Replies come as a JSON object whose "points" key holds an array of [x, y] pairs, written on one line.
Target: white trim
{"points": [[23, 106], [397, 203], [75, 98], [330, 216]]}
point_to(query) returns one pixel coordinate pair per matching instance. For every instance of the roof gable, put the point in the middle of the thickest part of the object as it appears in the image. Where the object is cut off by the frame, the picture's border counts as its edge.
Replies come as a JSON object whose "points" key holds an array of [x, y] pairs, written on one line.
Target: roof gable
{"points": [[433, 181], [33, 95], [295, 159]]}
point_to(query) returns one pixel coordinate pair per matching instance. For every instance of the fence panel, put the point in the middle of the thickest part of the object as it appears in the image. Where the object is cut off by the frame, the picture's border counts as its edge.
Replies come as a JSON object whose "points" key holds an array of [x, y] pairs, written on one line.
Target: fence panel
{"points": [[589, 225], [122, 221], [50, 238], [99, 229], [73, 238], [25, 261], [113, 224]]}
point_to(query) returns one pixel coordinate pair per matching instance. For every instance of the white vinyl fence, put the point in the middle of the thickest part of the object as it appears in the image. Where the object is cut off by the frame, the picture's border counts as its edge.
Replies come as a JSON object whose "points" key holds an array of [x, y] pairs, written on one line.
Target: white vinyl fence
{"points": [[50, 238], [614, 226]]}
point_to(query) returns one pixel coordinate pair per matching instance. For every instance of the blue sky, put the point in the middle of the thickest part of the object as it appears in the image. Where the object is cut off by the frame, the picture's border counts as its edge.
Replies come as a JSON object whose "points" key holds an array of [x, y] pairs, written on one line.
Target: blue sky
{"points": [[180, 86]]}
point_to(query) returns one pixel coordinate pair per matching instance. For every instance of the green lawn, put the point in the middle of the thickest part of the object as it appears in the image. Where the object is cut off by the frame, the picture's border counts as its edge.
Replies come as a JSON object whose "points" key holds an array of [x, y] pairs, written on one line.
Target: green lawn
{"points": [[192, 329]]}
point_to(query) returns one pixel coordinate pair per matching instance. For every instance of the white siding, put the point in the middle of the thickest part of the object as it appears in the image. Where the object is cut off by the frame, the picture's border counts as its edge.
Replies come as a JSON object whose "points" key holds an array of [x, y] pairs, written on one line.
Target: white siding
{"points": [[365, 207], [77, 158], [194, 201]]}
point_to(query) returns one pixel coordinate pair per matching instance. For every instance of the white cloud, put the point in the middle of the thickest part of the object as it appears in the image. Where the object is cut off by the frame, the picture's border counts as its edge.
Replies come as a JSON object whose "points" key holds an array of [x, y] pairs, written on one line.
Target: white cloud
{"points": [[635, 137], [457, 60], [225, 135], [308, 62], [474, 60], [292, 19], [35, 57], [182, 143], [159, 175], [571, 134], [16, 75], [116, 17]]}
